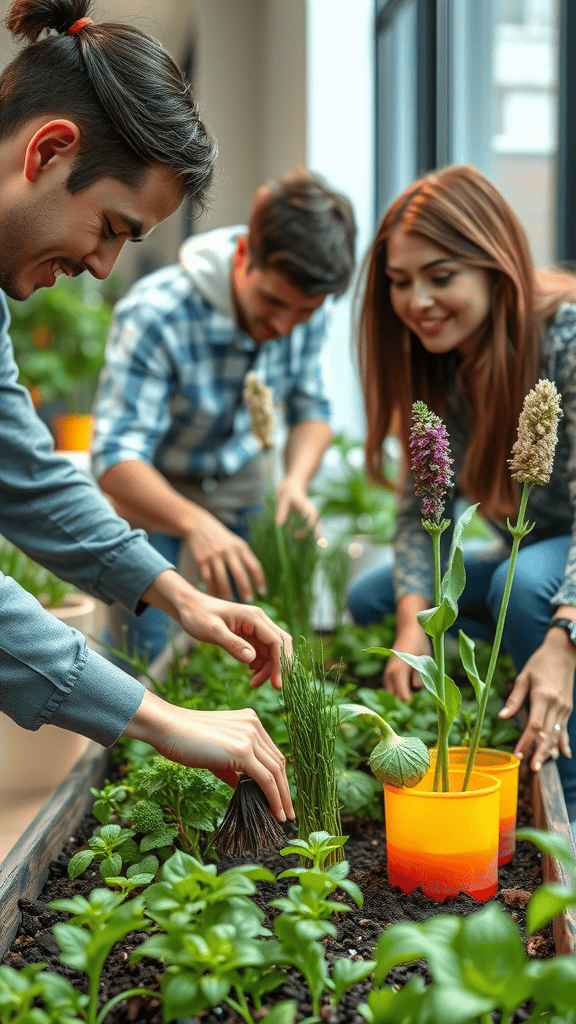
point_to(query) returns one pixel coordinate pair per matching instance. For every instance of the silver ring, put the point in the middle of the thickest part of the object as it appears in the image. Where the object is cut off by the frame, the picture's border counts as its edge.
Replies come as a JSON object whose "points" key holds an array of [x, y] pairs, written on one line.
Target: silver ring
{"points": [[557, 727]]}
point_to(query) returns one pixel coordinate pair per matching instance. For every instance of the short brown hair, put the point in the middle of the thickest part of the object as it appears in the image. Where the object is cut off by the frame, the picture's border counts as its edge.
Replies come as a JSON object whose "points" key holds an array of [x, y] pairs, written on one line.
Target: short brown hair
{"points": [[305, 230]]}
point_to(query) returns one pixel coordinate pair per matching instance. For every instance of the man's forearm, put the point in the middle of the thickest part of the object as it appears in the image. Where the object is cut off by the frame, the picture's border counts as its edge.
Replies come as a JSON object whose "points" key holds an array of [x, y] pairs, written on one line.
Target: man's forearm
{"points": [[142, 496], [307, 442]]}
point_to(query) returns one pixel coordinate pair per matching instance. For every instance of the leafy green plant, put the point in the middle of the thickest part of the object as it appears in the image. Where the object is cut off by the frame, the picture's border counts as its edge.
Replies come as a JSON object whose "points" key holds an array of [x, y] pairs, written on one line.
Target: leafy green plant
{"points": [[111, 846], [108, 801], [212, 939], [47, 588], [190, 799], [306, 910], [96, 925], [309, 710], [59, 336], [20, 991]]}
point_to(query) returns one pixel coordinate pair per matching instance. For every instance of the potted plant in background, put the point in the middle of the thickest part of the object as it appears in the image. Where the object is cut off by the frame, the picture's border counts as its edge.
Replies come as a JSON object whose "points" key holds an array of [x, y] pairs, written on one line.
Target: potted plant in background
{"points": [[59, 336], [32, 764]]}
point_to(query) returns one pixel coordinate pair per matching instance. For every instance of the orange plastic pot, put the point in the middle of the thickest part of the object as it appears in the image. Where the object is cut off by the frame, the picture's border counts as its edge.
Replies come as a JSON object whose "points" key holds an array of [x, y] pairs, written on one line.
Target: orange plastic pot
{"points": [[73, 431], [444, 843], [503, 766]]}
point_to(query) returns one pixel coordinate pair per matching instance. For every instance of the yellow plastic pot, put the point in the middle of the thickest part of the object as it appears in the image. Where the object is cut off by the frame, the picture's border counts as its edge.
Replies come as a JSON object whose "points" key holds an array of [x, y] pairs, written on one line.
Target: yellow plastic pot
{"points": [[444, 843], [504, 766]]}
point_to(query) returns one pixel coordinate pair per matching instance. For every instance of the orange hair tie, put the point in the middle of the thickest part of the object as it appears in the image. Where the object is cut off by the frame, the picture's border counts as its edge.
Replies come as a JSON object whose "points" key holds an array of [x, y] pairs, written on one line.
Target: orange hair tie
{"points": [[81, 23]]}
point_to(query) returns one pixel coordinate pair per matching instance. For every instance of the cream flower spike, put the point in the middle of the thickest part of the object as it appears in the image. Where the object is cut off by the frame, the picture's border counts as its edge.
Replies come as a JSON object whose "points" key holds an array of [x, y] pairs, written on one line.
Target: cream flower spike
{"points": [[258, 397], [533, 452]]}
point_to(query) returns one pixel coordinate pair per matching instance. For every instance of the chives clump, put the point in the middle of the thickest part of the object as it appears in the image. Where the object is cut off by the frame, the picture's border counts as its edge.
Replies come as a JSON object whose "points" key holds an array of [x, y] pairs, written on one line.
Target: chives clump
{"points": [[289, 556], [311, 717]]}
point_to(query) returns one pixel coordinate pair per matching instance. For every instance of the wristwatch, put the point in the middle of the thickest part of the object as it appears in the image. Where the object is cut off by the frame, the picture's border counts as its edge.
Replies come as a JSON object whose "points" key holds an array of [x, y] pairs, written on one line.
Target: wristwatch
{"points": [[568, 624]]}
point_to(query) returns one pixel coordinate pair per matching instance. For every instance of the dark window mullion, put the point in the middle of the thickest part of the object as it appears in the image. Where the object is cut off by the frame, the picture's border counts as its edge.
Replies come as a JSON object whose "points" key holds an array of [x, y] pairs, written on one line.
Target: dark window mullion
{"points": [[566, 193], [427, 86]]}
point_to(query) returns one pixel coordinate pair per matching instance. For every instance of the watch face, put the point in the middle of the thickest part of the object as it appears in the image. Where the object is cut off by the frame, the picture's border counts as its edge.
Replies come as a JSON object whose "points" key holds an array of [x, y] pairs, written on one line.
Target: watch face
{"points": [[572, 632]]}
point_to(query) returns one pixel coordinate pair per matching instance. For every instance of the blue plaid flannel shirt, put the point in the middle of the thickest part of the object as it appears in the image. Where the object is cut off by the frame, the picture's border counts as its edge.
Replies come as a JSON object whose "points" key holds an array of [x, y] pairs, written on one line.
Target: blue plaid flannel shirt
{"points": [[171, 390]]}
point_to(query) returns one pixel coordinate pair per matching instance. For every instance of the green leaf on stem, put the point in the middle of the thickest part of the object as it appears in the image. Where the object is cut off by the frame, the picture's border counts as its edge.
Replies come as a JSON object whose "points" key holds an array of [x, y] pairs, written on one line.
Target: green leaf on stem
{"points": [[466, 647]]}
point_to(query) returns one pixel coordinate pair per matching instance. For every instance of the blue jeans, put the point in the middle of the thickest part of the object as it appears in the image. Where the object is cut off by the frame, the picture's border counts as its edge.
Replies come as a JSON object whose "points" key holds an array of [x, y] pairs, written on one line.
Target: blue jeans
{"points": [[539, 573], [149, 633]]}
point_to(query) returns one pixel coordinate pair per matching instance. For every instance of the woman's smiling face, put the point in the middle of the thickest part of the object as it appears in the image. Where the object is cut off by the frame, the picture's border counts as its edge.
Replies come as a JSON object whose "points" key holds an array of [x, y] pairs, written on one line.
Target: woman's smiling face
{"points": [[440, 299]]}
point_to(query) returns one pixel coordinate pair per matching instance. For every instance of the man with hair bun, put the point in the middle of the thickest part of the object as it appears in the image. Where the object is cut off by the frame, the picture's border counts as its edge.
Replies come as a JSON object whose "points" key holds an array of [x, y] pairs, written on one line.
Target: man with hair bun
{"points": [[100, 141], [173, 445]]}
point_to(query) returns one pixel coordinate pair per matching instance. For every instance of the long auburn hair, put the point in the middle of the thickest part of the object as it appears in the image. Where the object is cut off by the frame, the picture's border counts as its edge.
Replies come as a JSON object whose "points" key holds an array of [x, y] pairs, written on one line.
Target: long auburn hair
{"points": [[460, 210]]}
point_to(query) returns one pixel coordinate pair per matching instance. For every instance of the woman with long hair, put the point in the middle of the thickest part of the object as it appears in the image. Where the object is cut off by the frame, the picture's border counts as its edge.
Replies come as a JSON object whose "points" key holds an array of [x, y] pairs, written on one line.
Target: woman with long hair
{"points": [[454, 314]]}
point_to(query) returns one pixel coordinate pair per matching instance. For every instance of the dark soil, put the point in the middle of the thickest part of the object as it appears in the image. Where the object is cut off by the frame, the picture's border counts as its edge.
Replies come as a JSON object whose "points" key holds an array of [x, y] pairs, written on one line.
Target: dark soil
{"points": [[358, 930]]}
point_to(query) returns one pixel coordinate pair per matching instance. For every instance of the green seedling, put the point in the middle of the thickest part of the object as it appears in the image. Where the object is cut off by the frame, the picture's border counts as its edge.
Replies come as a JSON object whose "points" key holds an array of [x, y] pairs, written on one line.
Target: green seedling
{"points": [[212, 938], [96, 925], [21, 990], [108, 801], [111, 846]]}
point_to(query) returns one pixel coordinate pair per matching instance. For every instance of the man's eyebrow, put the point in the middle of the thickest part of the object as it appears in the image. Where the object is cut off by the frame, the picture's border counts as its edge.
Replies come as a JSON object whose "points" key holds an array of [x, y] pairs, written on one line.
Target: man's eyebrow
{"points": [[135, 227], [272, 298], [433, 263]]}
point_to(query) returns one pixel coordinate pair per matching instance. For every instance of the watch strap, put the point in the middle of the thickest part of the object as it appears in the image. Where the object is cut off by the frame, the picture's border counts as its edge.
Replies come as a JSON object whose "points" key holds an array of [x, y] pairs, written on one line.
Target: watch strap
{"points": [[568, 624]]}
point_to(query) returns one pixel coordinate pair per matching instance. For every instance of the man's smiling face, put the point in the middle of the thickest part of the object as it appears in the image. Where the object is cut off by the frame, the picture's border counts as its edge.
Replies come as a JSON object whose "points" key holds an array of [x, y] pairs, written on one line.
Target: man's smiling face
{"points": [[45, 230]]}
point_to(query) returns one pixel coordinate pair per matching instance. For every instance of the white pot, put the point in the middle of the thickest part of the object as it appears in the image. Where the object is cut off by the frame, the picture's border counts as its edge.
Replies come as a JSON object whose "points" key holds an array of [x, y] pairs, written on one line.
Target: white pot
{"points": [[33, 764]]}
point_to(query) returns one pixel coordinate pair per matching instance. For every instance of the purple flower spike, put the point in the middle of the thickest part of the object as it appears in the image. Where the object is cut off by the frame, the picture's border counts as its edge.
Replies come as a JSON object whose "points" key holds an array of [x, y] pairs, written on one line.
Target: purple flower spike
{"points": [[431, 461]]}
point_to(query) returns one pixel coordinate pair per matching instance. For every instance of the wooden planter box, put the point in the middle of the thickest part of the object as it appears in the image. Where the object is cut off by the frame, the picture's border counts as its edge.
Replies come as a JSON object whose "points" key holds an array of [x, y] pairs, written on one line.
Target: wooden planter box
{"points": [[25, 869]]}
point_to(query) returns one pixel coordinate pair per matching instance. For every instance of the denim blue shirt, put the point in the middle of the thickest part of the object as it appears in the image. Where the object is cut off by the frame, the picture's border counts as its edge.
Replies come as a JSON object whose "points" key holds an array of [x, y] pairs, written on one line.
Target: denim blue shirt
{"points": [[552, 508], [59, 518], [171, 391]]}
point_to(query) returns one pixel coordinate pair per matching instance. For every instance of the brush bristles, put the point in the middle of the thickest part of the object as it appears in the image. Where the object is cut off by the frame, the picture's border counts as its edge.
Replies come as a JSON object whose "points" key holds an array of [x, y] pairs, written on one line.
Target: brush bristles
{"points": [[248, 825]]}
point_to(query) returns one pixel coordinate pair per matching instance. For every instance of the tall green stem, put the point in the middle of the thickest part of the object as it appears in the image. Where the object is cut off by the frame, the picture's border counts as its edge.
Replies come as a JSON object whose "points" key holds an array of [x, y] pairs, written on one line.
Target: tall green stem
{"points": [[518, 532], [441, 769]]}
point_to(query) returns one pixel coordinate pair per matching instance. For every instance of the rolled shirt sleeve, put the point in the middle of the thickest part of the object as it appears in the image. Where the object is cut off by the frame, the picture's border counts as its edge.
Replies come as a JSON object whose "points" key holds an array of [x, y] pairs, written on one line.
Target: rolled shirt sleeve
{"points": [[59, 518]]}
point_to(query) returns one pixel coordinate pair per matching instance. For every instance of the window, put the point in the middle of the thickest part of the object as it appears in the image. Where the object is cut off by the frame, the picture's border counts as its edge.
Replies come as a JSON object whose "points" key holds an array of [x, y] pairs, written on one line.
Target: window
{"points": [[483, 85]]}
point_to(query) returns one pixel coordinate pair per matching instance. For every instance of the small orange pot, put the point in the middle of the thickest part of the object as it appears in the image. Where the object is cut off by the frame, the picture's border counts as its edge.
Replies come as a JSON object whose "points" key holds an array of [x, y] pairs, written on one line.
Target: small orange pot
{"points": [[444, 843], [501, 765], [73, 431]]}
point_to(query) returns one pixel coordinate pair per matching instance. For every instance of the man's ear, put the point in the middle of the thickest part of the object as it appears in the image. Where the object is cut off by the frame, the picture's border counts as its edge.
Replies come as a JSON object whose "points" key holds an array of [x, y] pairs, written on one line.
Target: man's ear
{"points": [[240, 252], [56, 139]]}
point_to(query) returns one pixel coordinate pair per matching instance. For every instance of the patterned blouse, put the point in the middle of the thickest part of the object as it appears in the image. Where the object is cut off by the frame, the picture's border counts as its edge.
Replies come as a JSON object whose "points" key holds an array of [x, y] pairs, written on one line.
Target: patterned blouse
{"points": [[552, 508]]}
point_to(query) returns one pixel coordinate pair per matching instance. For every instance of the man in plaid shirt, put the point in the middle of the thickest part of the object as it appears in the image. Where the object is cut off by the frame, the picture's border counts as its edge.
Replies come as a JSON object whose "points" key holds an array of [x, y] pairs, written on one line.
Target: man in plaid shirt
{"points": [[173, 445]]}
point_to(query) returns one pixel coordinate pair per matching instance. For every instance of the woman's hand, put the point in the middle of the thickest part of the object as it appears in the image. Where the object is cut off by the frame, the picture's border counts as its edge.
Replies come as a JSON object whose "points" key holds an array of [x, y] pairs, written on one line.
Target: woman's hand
{"points": [[243, 630], [226, 742], [400, 678], [548, 679]]}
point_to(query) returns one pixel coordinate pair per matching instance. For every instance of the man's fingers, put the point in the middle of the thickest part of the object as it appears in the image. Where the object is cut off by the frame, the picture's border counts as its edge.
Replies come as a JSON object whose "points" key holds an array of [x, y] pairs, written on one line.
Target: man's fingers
{"points": [[240, 577], [255, 570]]}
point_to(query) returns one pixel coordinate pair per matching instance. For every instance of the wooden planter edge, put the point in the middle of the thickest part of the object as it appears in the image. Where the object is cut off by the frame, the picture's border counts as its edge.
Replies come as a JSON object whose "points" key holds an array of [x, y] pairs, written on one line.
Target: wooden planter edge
{"points": [[550, 814], [25, 869]]}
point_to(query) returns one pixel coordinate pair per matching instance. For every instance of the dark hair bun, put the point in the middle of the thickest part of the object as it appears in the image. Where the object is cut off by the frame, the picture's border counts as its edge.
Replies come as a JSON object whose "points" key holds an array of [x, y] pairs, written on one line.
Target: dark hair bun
{"points": [[27, 19]]}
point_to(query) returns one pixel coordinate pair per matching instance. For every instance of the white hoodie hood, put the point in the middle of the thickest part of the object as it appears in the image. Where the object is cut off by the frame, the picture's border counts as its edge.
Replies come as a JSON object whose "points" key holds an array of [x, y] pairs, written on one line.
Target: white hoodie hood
{"points": [[207, 259]]}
